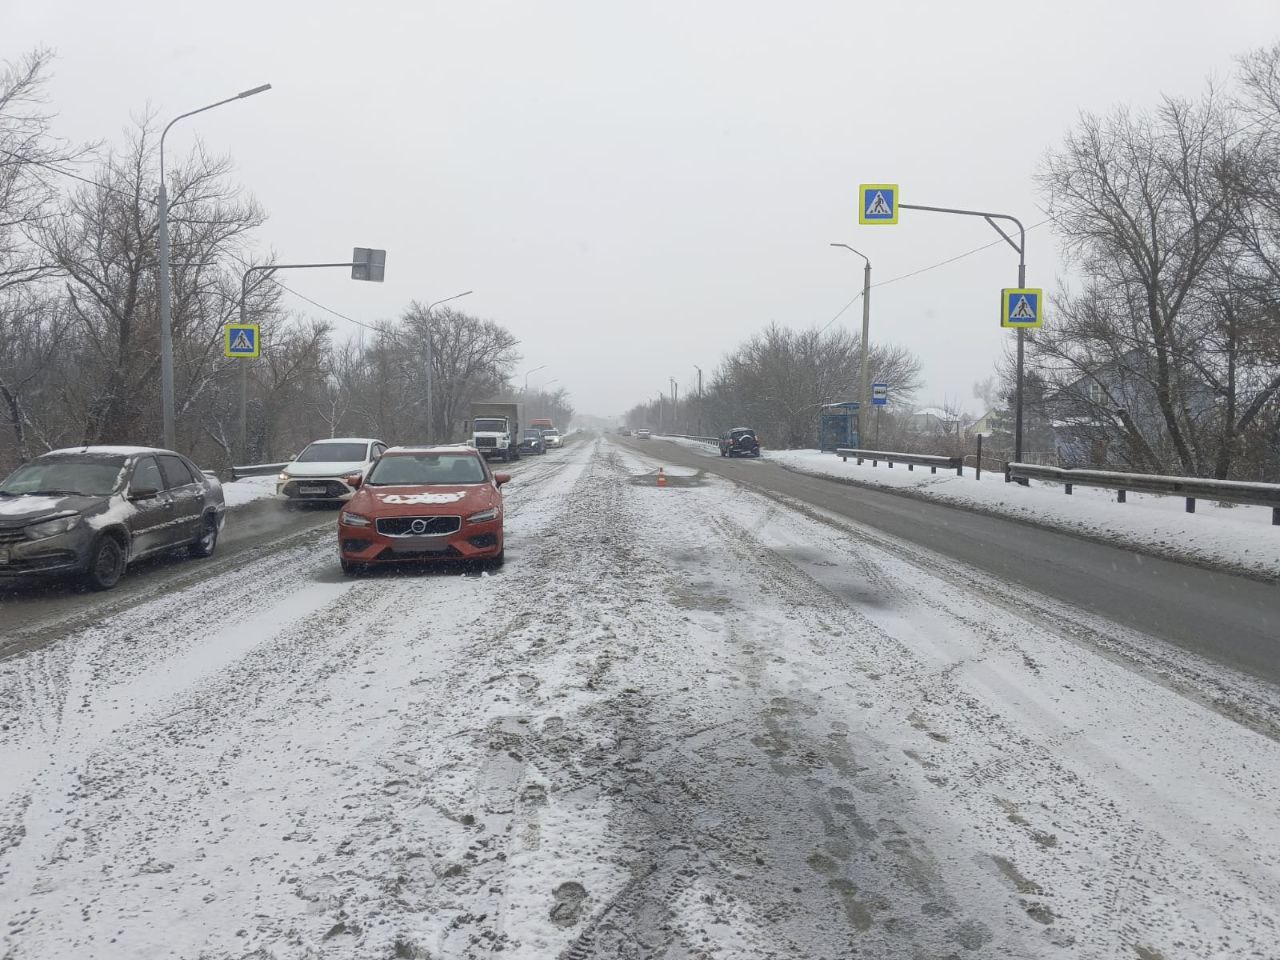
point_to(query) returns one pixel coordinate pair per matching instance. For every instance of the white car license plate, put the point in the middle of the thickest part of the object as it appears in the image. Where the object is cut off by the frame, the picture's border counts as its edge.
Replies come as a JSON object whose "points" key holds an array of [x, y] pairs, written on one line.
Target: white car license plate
{"points": [[312, 488]]}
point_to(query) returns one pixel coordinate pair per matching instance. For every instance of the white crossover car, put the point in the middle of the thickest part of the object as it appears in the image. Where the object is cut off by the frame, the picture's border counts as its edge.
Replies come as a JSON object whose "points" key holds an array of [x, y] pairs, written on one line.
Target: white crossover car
{"points": [[319, 473]]}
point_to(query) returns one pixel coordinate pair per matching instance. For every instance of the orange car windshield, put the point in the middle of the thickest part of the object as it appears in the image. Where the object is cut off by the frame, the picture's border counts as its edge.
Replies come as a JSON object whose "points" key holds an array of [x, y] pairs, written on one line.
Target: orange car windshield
{"points": [[426, 468]]}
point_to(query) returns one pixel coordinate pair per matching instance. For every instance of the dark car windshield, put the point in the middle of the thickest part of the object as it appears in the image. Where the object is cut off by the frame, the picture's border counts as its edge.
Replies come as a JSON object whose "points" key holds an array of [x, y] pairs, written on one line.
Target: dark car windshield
{"points": [[533, 434], [333, 453], [405, 469], [85, 475]]}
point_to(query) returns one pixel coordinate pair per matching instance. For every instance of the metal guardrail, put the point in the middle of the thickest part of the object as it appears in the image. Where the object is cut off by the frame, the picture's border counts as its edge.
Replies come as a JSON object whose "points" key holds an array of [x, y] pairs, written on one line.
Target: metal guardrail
{"points": [[912, 460], [1192, 488], [257, 469], [685, 436]]}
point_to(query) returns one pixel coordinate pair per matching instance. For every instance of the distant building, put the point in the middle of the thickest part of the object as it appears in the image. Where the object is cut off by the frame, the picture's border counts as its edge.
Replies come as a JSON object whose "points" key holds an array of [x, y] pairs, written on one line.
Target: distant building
{"points": [[1110, 417], [934, 420]]}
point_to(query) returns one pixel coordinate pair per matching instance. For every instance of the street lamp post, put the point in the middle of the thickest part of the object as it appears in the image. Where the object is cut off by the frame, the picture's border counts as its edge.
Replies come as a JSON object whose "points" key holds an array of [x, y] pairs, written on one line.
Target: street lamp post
{"points": [[864, 386], [543, 386], [526, 377], [431, 358], [700, 424], [675, 403], [168, 407]]}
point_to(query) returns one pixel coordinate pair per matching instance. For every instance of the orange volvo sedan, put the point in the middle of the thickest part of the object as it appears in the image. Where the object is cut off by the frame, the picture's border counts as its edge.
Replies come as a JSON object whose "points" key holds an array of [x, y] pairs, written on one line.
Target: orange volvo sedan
{"points": [[423, 504]]}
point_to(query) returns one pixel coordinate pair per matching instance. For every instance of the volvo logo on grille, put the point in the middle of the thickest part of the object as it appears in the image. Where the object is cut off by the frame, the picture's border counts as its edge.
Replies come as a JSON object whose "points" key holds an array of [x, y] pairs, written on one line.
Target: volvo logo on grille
{"points": [[418, 526]]}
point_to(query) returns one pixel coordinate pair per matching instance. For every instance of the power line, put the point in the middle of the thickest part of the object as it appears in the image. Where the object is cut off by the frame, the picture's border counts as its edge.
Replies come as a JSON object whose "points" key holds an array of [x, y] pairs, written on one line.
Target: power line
{"points": [[74, 176], [959, 256]]}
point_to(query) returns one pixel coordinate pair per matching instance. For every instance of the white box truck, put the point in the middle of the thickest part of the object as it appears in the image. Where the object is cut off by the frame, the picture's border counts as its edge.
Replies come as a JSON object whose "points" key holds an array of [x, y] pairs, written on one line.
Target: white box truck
{"points": [[495, 429]]}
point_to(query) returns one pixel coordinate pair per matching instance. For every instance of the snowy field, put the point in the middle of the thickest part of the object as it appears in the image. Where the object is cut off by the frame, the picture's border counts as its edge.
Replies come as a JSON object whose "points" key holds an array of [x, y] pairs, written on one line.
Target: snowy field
{"points": [[1236, 537], [681, 722]]}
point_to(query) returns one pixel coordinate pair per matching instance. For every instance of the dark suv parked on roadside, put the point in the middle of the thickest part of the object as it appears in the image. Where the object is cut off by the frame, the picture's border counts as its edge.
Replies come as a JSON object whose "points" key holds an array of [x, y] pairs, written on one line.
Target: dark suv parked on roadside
{"points": [[91, 511], [739, 442]]}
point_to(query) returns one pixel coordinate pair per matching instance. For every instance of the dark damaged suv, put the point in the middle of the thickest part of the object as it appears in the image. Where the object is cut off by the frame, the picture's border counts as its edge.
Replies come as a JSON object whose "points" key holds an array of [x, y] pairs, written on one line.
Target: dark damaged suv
{"points": [[91, 511]]}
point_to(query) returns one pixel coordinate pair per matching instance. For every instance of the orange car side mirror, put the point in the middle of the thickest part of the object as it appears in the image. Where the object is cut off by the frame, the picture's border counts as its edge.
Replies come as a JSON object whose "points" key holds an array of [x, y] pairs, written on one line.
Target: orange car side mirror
{"points": [[354, 481], [501, 478]]}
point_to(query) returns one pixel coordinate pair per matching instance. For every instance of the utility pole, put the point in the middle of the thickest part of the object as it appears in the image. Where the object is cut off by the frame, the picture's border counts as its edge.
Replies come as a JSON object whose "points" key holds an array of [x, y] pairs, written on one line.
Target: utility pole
{"points": [[675, 403], [864, 385]]}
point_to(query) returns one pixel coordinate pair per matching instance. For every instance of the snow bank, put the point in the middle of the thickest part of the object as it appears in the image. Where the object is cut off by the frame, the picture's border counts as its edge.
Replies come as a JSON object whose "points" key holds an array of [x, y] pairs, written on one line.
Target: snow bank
{"points": [[249, 489], [1240, 537]]}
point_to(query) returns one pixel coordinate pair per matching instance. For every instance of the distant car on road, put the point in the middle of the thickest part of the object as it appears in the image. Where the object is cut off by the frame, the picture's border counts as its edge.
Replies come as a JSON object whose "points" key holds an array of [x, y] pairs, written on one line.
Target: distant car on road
{"points": [[423, 504], [643, 433], [532, 442], [92, 511], [552, 438], [739, 442], [319, 473], [624, 432]]}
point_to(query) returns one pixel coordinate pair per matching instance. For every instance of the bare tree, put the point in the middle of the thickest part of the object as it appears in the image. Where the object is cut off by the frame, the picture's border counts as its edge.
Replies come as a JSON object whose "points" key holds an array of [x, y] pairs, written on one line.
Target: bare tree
{"points": [[778, 380], [1164, 358], [104, 243]]}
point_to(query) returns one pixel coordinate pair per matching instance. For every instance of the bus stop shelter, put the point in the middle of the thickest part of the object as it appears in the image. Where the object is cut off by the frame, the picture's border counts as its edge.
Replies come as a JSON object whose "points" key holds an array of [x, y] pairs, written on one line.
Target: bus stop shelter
{"points": [[838, 425]]}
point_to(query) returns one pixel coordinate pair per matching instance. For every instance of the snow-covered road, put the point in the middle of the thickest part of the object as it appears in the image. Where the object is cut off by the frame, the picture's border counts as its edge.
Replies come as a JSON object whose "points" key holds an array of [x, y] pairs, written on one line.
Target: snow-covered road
{"points": [[681, 722]]}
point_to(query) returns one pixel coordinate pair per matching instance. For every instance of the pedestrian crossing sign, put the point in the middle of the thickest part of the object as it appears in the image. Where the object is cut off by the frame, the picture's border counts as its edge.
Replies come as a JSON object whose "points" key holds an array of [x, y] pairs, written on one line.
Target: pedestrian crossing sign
{"points": [[1021, 307], [878, 203], [241, 340]]}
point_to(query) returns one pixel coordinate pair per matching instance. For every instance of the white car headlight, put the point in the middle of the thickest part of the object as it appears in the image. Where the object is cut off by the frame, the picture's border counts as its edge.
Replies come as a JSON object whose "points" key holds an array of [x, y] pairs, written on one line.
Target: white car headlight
{"points": [[51, 528], [354, 519], [484, 516], [283, 477]]}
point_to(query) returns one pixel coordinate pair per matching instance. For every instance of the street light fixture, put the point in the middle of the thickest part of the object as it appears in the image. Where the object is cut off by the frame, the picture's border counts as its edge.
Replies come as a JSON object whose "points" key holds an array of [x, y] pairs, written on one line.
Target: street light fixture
{"points": [[431, 358], [865, 384], [166, 317], [526, 376]]}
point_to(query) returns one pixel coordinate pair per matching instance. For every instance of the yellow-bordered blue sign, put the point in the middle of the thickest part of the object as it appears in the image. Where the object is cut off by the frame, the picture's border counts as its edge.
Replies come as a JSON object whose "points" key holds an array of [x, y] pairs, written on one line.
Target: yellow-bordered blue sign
{"points": [[878, 203], [1021, 307], [241, 340]]}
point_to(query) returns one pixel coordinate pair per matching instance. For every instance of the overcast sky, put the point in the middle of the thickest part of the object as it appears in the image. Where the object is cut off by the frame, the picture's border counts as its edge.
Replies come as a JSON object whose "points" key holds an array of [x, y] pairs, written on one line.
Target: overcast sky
{"points": [[632, 188]]}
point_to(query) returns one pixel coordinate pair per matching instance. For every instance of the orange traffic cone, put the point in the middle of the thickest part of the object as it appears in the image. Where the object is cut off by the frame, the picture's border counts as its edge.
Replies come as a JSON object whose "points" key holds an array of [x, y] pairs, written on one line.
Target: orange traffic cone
{"points": [[662, 478]]}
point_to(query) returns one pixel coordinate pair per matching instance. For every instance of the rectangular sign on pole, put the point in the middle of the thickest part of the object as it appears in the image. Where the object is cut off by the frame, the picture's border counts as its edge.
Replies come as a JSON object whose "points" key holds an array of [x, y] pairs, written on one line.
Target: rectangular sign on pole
{"points": [[879, 394], [878, 203], [241, 340], [368, 264], [1021, 307]]}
